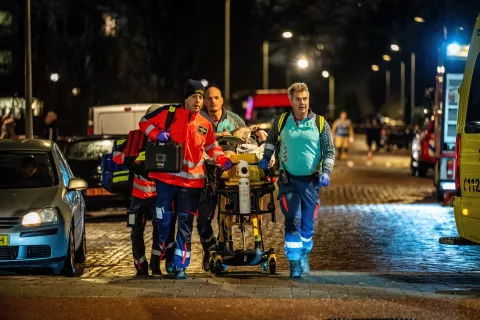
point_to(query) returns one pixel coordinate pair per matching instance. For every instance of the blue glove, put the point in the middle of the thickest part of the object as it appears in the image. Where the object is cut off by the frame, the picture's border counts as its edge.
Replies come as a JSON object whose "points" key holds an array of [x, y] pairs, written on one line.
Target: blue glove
{"points": [[324, 180], [163, 136], [263, 164], [227, 164]]}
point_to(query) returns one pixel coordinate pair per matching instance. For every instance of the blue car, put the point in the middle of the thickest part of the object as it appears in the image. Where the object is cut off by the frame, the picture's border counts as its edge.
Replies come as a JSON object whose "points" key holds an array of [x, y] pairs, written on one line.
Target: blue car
{"points": [[42, 211]]}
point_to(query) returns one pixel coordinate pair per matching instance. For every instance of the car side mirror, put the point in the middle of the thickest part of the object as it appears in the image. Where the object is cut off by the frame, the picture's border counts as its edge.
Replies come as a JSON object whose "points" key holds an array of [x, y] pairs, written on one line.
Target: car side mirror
{"points": [[77, 184]]}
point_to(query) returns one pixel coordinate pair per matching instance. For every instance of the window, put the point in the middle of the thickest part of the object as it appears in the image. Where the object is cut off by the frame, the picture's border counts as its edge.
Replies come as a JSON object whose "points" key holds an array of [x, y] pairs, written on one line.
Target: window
{"points": [[22, 169], [473, 110], [64, 168], [6, 63], [6, 19], [88, 150]]}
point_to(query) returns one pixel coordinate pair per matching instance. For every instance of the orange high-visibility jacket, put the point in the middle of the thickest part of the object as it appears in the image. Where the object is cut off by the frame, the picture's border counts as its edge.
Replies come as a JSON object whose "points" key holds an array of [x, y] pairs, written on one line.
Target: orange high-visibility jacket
{"points": [[143, 187], [195, 133]]}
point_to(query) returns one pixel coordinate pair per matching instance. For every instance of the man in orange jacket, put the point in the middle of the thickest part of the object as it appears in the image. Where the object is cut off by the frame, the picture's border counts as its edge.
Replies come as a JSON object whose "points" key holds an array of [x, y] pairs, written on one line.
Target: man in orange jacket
{"points": [[143, 206], [195, 133]]}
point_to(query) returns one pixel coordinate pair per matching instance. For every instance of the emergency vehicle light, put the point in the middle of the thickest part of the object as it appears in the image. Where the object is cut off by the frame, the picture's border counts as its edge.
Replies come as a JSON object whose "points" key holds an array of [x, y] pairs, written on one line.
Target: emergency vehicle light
{"points": [[456, 50]]}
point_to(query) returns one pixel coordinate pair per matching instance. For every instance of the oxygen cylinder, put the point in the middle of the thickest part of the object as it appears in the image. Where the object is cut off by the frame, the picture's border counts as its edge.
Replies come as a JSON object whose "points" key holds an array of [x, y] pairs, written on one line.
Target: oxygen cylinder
{"points": [[244, 187]]}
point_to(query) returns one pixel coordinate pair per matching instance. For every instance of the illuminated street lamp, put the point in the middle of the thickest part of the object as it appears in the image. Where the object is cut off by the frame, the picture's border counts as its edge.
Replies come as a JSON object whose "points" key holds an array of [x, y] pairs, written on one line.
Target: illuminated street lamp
{"points": [[325, 74], [287, 34], [302, 63], [386, 57], [419, 19], [394, 47], [54, 77], [375, 67], [75, 91]]}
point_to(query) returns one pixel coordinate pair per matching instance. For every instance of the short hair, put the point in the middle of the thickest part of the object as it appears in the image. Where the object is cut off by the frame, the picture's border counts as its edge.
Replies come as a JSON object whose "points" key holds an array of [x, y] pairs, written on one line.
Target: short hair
{"points": [[213, 86], [29, 161], [297, 87]]}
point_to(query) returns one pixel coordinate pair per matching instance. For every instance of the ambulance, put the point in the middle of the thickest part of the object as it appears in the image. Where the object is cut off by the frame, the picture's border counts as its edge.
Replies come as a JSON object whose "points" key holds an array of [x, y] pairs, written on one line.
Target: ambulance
{"points": [[466, 201], [451, 65]]}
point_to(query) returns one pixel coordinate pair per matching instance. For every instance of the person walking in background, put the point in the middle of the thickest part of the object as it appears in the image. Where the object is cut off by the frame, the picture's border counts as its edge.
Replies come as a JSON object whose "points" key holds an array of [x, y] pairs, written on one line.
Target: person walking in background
{"points": [[51, 129], [342, 131]]}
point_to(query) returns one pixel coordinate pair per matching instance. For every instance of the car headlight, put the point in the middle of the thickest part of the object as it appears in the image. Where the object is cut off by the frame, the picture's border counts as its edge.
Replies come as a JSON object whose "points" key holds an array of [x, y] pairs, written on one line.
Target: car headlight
{"points": [[39, 217]]}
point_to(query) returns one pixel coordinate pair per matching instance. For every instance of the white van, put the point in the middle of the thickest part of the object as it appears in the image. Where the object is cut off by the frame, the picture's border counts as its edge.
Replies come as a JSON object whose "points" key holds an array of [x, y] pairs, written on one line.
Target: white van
{"points": [[117, 119]]}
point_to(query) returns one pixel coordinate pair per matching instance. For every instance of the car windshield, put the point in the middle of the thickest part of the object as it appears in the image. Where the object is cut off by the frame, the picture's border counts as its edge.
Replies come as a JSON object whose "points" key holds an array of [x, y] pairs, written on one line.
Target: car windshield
{"points": [[20, 170], [89, 149]]}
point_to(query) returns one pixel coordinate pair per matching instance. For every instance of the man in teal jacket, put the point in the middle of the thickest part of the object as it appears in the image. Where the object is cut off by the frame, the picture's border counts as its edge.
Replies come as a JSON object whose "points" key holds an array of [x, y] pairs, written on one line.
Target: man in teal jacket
{"points": [[306, 156]]}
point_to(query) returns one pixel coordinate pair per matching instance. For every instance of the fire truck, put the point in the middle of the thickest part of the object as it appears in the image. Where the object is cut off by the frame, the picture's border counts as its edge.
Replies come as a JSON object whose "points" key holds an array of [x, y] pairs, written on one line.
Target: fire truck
{"points": [[452, 59]]}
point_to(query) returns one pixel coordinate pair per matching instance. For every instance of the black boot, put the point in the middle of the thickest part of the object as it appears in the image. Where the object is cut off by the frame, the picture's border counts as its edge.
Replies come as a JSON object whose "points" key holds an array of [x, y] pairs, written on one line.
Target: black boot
{"points": [[142, 270], [155, 266], [295, 269]]}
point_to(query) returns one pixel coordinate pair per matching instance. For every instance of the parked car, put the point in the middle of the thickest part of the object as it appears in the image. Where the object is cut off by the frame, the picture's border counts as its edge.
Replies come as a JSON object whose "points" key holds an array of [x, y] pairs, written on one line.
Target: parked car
{"points": [[42, 211], [84, 155], [423, 149], [395, 137]]}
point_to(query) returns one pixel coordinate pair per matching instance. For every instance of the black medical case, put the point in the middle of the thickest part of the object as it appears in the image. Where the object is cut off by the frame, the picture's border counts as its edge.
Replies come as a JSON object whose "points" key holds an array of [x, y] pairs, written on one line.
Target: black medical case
{"points": [[163, 157]]}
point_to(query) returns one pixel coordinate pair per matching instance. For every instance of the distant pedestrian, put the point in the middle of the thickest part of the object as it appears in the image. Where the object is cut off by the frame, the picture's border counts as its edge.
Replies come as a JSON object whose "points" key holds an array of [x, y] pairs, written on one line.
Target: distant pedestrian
{"points": [[51, 129], [8, 128], [342, 132]]}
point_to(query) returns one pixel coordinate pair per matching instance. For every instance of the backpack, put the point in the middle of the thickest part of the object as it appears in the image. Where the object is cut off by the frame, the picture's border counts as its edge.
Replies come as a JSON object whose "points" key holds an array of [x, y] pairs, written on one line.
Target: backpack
{"points": [[116, 178], [282, 121]]}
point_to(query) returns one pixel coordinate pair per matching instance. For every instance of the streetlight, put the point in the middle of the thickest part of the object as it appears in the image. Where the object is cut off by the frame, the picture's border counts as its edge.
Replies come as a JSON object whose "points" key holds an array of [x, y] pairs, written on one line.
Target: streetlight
{"points": [[302, 63], [331, 93], [287, 34], [54, 77], [386, 57], [28, 73], [375, 67], [419, 19], [266, 49], [395, 47]]}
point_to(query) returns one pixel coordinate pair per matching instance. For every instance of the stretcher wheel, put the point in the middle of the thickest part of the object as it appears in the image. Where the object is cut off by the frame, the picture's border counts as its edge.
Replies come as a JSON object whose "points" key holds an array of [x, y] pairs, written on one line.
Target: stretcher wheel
{"points": [[272, 266], [218, 267], [265, 266], [212, 266]]}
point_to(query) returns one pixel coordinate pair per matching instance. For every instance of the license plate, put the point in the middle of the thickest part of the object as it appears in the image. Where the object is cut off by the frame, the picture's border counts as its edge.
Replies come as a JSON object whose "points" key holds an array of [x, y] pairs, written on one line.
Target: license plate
{"points": [[3, 240], [91, 192]]}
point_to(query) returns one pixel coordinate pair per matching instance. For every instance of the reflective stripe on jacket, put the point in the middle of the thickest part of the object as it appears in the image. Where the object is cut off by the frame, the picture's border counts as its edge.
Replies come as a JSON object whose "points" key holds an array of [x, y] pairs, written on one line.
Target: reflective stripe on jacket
{"points": [[143, 187], [195, 133]]}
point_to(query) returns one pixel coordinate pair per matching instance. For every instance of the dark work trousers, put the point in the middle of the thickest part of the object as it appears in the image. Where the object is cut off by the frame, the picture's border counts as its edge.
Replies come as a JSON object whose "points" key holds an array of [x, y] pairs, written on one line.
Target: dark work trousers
{"points": [[143, 210], [186, 201]]}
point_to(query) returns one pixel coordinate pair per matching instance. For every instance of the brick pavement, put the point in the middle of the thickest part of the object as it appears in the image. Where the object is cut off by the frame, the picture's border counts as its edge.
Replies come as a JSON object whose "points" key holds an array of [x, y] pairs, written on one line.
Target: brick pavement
{"points": [[376, 236]]}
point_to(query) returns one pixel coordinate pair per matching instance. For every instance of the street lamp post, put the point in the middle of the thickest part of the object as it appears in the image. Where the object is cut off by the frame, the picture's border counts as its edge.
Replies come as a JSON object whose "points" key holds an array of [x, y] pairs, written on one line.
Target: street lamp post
{"points": [[28, 74], [227, 53], [412, 87], [331, 93], [402, 87], [265, 64], [387, 88]]}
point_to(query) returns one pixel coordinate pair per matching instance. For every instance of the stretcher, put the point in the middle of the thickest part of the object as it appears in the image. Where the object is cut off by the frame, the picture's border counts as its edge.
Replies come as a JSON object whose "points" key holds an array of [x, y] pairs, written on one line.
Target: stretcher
{"points": [[242, 195]]}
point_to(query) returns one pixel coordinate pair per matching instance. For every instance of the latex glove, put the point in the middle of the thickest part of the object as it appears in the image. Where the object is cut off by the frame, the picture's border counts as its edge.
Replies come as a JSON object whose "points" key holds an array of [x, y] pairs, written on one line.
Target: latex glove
{"points": [[263, 164], [163, 136], [324, 180], [226, 164]]}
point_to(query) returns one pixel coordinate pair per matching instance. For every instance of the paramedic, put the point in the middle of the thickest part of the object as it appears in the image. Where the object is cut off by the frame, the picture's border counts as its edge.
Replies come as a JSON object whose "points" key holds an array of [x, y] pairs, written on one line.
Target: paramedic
{"points": [[223, 123], [195, 133], [142, 206], [306, 159]]}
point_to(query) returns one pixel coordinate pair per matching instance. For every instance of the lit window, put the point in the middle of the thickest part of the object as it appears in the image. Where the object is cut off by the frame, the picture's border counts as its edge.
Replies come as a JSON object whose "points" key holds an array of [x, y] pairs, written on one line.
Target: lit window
{"points": [[110, 25], [5, 18], [6, 62]]}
